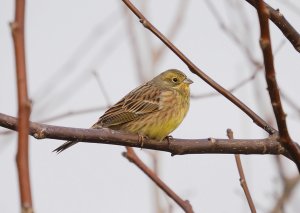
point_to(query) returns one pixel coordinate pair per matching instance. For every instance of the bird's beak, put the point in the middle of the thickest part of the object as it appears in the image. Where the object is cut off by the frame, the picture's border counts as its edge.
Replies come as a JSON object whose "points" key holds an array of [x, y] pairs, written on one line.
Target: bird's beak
{"points": [[188, 81]]}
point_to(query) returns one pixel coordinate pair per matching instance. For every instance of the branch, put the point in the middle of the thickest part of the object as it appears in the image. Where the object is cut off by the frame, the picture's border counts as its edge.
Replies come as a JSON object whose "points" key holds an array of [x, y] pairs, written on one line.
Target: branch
{"points": [[243, 181], [193, 68], [274, 94], [132, 157], [268, 145], [17, 29], [285, 27]]}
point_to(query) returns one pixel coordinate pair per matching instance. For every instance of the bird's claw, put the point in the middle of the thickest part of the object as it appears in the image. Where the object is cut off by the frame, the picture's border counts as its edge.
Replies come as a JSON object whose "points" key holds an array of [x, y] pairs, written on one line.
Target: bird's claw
{"points": [[142, 139], [169, 137]]}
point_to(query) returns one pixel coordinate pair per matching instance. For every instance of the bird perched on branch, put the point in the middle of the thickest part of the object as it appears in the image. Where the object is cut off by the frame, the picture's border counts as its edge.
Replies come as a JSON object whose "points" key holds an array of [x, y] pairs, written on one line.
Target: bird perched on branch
{"points": [[152, 110]]}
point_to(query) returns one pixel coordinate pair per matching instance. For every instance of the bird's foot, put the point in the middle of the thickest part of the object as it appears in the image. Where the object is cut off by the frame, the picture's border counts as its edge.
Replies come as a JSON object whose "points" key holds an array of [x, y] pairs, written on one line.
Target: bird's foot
{"points": [[141, 139], [168, 138]]}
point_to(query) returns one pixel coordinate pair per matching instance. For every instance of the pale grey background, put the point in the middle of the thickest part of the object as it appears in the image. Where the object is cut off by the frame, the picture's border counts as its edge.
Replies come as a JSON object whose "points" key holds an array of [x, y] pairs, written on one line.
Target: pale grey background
{"points": [[96, 178]]}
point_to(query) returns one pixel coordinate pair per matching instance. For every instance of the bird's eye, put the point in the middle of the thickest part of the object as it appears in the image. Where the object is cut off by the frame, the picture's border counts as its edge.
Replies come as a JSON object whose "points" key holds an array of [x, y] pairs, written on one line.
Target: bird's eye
{"points": [[175, 80]]}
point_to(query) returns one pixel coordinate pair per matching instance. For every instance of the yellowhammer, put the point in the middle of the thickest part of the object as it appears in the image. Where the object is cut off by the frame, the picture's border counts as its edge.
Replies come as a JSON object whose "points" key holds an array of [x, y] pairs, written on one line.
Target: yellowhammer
{"points": [[152, 110]]}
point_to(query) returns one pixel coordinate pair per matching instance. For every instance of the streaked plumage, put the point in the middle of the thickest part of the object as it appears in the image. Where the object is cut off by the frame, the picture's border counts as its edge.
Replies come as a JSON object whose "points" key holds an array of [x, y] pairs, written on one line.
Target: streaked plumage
{"points": [[153, 110]]}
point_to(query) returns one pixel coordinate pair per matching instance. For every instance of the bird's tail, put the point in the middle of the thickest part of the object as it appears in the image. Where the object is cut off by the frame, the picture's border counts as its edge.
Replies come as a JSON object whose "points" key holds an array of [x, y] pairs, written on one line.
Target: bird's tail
{"points": [[65, 146], [68, 144]]}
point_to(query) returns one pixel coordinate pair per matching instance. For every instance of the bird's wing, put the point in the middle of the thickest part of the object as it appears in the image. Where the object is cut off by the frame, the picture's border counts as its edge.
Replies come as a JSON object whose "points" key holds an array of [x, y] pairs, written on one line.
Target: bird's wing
{"points": [[143, 100]]}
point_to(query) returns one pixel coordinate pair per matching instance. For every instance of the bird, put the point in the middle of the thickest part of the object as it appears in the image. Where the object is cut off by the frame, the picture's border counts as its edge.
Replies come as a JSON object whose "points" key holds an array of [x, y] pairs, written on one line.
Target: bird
{"points": [[152, 110]]}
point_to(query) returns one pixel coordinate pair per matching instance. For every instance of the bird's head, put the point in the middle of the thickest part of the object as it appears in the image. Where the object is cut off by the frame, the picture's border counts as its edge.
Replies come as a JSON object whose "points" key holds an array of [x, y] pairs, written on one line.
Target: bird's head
{"points": [[173, 78]]}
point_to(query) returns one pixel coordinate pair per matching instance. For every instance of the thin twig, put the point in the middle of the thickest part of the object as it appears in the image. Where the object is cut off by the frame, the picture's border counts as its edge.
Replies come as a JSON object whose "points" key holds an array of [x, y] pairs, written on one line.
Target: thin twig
{"points": [[193, 68], [132, 157], [273, 89], [268, 145], [156, 192], [22, 159], [243, 181]]}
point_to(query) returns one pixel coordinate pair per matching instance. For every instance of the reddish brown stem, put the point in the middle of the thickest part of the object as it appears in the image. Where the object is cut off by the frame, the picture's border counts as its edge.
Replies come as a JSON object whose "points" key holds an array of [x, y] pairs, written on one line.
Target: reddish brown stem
{"points": [[193, 68], [132, 157], [243, 181], [273, 89], [17, 28]]}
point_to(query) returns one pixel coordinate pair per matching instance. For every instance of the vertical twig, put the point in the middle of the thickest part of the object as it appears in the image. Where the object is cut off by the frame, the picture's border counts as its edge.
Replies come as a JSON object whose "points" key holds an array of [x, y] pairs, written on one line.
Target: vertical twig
{"points": [[154, 155], [132, 157], [265, 42], [243, 181], [17, 28]]}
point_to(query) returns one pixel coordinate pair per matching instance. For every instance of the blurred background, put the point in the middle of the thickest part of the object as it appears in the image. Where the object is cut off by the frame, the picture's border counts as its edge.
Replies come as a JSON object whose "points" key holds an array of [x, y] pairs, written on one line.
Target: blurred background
{"points": [[83, 56]]}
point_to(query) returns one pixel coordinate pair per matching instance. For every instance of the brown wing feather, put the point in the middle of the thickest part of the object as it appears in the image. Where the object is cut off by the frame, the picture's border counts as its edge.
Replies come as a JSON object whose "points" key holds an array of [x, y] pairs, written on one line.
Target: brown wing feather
{"points": [[137, 103]]}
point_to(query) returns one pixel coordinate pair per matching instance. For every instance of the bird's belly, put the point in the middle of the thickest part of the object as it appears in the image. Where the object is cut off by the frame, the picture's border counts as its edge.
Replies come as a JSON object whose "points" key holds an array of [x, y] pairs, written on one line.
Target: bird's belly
{"points": [[163, 127], [158, 125]]}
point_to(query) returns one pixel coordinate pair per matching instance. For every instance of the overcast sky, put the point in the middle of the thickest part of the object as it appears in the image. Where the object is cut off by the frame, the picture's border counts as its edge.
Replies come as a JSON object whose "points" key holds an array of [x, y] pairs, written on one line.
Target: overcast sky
{"points": [[67, 41]]}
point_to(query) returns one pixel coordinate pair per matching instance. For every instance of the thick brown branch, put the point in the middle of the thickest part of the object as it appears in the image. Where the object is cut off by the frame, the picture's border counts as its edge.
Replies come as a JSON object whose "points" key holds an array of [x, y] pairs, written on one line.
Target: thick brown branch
{"points": [[278, 19], [175, 147], [258, 120], [17, 28], [132, 157], [273, 89]]}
